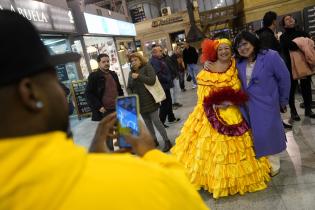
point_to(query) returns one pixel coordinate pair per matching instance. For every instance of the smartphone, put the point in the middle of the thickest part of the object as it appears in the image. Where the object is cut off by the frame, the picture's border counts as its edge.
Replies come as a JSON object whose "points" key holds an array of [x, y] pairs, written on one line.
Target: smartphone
{"points": [[127, 109]]}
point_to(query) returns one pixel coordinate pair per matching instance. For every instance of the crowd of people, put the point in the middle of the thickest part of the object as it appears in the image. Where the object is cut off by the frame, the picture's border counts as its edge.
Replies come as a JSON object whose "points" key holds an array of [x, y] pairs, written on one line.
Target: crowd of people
{"points": [[229, 144]]}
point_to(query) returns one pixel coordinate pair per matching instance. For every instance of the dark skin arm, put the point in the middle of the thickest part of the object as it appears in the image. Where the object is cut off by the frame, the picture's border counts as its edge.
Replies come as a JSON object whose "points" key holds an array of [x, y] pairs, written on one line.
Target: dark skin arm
{"points": [[107, 130]]}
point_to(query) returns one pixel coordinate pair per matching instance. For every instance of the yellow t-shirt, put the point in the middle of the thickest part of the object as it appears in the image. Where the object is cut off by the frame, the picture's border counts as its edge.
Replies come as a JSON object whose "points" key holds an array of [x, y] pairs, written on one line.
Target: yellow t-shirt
{"points": [[49, 172]]}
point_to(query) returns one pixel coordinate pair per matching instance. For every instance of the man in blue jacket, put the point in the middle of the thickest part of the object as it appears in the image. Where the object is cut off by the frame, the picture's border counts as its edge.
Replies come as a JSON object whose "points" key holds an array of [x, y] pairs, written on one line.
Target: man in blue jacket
{"points": [[163, 72]]}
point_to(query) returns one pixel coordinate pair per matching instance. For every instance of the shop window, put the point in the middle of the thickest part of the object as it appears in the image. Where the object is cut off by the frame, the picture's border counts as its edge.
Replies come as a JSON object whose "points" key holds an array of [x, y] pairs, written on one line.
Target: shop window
{"points": [[98, 45], [65, 72]]}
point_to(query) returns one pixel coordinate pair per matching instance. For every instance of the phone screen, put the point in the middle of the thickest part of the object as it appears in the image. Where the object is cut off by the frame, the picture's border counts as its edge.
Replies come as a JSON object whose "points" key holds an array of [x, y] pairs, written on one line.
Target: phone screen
{"points": [[127, 115]]}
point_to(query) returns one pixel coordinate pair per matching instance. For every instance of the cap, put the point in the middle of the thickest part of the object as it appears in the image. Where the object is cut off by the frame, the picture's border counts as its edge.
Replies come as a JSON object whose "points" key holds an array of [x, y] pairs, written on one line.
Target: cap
{"points": [[22, 52]]}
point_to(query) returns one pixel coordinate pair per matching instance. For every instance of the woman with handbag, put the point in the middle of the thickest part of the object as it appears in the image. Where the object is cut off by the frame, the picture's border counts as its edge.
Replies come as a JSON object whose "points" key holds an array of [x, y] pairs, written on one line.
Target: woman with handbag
{"points": [[141, 77], [215, 144]]}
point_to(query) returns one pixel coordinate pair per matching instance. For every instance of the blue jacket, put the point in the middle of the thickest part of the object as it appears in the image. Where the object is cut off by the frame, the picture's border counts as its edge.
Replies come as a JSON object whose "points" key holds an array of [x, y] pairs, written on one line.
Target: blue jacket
{"points": [[163, 72]]}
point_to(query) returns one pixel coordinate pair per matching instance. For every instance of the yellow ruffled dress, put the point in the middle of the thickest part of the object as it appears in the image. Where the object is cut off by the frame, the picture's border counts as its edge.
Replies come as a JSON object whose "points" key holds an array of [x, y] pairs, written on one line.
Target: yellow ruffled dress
{"points": [[224, 165]]}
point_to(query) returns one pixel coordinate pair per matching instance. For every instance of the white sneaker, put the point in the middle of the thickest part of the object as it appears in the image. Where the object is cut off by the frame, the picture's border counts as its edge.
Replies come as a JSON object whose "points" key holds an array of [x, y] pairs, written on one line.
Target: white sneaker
{"points": [[194, 86], [274, 173]]}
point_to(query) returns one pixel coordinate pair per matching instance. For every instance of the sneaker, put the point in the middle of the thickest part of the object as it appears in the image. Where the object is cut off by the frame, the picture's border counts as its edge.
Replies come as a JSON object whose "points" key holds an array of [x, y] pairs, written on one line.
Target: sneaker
{"points": [[174, 121], [165, 126], [274, 173], [194, 86], [168, 145], [178, 104], [184, 90], [303, 106], [286, 125], [295, 117], [156, 142], [310, 114]]}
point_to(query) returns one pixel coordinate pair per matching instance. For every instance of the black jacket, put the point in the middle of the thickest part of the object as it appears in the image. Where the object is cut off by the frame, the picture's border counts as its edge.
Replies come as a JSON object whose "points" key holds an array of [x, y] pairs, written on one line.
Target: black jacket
{"points": [[95, 89], [172, 65], [190, 56], [268, 39], [288, 45]]}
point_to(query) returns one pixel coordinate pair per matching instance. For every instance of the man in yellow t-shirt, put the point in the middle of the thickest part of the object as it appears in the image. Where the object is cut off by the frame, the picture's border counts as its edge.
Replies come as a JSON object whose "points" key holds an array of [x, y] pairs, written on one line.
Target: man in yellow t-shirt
{"points": [[42, 169]]}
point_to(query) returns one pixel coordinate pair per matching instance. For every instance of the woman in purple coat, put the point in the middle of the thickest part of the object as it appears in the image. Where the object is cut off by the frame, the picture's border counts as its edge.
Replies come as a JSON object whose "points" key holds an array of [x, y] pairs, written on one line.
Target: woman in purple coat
{"points": [[266, 80]]}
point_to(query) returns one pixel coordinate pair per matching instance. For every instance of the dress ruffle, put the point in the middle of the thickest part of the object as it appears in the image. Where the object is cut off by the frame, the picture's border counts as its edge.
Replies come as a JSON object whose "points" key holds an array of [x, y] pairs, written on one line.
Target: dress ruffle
{"points": [[224, 165]]}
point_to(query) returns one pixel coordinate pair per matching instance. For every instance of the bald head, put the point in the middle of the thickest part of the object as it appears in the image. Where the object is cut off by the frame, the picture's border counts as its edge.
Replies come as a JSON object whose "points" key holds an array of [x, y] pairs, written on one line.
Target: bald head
{"points": [[157, 51]]}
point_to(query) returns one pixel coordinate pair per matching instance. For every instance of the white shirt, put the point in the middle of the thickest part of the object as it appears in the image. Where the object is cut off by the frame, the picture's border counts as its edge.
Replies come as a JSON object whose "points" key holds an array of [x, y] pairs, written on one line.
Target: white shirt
{"points": [[249, 71]]}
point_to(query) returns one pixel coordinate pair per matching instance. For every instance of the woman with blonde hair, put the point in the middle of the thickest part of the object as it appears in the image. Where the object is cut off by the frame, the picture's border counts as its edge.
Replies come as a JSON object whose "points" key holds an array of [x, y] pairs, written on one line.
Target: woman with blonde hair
{"points": [[215, 144], [143, 73]]}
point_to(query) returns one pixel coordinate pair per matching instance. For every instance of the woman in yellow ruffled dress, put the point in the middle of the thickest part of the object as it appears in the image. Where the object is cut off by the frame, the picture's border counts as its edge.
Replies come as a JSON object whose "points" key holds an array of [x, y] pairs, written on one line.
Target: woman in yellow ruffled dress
{"points": [[215, 144]]}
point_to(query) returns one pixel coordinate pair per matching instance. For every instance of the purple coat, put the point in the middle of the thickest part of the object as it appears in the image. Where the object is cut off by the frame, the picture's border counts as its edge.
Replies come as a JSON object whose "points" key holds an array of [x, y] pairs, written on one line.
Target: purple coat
{"points": [[268, 88]]}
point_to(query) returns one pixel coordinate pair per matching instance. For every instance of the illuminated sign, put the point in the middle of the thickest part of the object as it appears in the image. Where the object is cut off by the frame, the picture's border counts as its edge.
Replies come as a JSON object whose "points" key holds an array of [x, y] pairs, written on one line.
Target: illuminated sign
{"points": [[45, 17], [103, 25]]}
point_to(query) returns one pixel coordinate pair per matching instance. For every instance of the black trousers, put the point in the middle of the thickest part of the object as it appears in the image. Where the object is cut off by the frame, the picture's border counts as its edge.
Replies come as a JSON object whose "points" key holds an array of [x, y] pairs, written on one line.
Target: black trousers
{"points": [[166, 108], [306, 91], [181, 79]]}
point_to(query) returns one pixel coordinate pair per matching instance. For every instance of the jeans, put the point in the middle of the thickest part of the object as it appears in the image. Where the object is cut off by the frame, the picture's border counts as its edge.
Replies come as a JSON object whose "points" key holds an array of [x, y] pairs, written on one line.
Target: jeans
{"points": [[174, 91], [193, 71]]}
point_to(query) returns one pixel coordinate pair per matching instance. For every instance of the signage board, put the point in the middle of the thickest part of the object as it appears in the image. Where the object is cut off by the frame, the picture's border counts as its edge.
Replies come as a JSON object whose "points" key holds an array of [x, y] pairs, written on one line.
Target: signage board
{"points": [[309, 20], [46, 18], [78, 92], [108, 26]]}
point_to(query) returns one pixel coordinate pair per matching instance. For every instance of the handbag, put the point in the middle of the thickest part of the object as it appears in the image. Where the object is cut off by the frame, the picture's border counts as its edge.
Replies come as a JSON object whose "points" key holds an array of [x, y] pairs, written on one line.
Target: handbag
{"points": [[156, 91], [188, 77]]}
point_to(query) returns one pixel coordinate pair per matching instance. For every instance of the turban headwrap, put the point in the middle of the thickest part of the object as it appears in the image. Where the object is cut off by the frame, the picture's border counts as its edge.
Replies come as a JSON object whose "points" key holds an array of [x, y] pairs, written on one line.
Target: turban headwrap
{"points": [[209, 48]]}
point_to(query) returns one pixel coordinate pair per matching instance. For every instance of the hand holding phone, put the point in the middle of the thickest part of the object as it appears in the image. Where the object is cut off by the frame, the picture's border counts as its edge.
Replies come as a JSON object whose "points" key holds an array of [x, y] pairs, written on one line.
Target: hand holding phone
{"points": [[104, 132], [141, 144], [127, 108]]}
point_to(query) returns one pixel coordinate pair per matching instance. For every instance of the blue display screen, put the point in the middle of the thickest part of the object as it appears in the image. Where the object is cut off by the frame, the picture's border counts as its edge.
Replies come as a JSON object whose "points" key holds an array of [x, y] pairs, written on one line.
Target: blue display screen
{"points": [[126, 109]]}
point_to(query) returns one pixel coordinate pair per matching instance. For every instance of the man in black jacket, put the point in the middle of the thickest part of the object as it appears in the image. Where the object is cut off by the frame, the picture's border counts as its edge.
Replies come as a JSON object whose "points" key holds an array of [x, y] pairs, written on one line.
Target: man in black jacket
{"points": [[190, 57], [287, 45], [268, 39], [102, 89], [164, 75], [266, 34]]}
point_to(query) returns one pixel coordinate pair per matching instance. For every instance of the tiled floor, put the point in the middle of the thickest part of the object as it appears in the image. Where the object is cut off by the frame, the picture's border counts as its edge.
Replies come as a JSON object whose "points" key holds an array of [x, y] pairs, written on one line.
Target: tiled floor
{"points": [[292, 189]]}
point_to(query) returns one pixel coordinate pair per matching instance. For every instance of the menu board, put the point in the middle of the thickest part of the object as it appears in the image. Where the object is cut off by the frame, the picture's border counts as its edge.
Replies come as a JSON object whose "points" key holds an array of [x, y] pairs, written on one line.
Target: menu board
{"points": [[62, 72], [309, 20], [137, 14], [78, 91]]}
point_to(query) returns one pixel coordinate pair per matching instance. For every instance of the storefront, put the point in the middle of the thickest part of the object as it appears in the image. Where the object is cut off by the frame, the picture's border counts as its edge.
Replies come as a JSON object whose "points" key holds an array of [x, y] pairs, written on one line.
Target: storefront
{"points": [[110, 36], [168, 31], [56, 27]]}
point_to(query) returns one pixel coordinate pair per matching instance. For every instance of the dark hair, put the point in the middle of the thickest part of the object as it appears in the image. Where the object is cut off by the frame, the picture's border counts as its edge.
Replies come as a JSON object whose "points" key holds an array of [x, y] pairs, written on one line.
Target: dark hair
{"points": [[100, 56], [269, 17], [282, 20], [251, 38]]}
